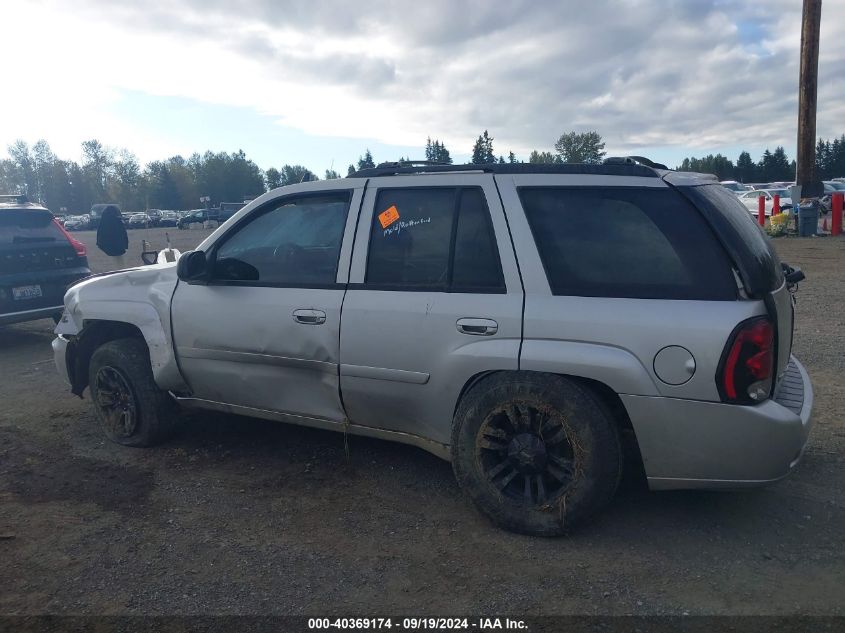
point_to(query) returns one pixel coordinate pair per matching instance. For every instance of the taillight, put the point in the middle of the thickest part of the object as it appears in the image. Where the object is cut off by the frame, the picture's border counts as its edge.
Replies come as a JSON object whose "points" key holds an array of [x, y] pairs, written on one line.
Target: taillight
{"points": [[746, 371], [78, 246]]}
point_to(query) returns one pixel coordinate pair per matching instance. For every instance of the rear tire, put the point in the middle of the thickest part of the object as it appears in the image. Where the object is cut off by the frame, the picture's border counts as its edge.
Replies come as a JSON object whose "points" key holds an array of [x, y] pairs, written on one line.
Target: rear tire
{"points": [[129, 407], [537, 453]]}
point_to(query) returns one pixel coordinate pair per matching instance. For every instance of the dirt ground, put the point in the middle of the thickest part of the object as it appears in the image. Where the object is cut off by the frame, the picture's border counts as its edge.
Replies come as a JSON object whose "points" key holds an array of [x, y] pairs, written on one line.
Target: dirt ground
{"points": [[241, 516]]}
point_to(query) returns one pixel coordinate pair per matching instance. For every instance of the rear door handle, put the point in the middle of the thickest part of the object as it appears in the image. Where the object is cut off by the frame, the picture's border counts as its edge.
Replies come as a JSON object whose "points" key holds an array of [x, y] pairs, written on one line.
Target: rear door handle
{"points": [[477, 327], [309, 317]]}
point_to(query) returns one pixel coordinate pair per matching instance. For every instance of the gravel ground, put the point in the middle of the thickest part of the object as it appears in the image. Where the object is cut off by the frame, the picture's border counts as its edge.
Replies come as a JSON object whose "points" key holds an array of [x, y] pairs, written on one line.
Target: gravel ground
{"points": [[241, 516]]}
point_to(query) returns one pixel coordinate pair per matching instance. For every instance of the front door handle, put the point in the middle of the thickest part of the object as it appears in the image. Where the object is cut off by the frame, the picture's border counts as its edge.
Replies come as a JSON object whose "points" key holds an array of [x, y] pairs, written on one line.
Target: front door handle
{"points": [[309, 317], [478, 327]]}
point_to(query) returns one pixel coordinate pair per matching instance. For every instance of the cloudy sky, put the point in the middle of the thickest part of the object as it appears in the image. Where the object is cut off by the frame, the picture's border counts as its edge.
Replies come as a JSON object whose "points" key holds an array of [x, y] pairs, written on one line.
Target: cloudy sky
{"points": [[315, 82]]}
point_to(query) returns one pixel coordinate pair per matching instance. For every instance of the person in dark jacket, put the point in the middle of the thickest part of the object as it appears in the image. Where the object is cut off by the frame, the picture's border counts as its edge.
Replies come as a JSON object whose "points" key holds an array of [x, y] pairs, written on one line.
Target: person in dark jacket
{"points": [[111, 233]]}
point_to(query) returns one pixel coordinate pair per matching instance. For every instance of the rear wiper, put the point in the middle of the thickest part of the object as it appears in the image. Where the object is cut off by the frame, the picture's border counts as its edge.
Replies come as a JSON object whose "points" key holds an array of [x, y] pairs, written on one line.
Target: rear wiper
{"points": [[18, 239]]}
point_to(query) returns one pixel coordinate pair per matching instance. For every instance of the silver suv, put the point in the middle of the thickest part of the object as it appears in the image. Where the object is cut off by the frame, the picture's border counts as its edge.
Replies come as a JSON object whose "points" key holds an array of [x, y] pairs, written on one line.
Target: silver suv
{"points": [[520, 321]]}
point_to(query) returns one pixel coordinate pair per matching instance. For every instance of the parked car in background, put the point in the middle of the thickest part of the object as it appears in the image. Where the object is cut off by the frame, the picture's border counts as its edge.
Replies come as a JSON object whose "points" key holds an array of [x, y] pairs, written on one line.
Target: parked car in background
{"points": [[38, 261], [750, 199], [486, 317], [76, 223], [200, 216], [96, 213], [734, 186], [154, 215], [139, 221], [168, 218], [831, 187]]}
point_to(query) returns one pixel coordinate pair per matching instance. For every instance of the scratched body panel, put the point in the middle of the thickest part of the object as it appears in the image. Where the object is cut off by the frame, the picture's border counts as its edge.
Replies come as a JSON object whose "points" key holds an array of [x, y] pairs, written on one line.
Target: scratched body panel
{"points": [[241, 345]]}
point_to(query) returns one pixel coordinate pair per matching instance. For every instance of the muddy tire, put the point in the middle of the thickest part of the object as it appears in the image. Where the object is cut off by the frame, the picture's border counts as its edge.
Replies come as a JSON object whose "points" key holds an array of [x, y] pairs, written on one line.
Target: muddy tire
{"points": [[537, 453], [129, 407]]}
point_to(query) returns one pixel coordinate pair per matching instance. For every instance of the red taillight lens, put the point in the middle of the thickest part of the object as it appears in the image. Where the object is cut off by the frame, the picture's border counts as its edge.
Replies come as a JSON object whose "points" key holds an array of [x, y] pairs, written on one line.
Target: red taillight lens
{"points": [[747, 367], [78, 246]]}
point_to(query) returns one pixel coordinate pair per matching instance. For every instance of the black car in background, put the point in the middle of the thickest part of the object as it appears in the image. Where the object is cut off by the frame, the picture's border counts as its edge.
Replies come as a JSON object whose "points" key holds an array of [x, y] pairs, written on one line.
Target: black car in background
{"points": [[38, 261], [199, 216], [168, 218]]}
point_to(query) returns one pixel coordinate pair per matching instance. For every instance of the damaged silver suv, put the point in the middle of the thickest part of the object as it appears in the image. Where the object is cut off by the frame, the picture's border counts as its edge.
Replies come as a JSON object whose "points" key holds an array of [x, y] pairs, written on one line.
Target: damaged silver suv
{"points": [[520, 321]]}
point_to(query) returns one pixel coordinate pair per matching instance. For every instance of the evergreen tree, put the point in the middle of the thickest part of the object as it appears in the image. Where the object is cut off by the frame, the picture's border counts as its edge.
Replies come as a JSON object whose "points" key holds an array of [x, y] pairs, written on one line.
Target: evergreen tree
{"points": [[746, 170], [331, 174], [482, 151], [437, 152], [512, 158], [780, 165], [366, 161], [823, 159], [350, 170], [765, 167]]}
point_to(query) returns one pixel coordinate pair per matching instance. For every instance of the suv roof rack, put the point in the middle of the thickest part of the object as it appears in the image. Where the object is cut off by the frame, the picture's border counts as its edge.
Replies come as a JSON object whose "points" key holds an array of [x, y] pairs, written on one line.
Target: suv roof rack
{"points": [[613, 168], [409, 163], [634, 160]]}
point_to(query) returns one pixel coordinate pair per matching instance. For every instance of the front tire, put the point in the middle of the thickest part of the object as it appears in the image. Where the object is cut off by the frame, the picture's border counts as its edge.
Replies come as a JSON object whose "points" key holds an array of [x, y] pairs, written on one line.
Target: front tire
{"points": [[129, 407], [537, 453]]}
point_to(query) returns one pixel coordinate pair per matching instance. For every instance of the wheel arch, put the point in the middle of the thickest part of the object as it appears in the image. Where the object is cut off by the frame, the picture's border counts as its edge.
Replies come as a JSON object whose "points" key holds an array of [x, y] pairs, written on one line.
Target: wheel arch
{"points": [[606, 395], [95, 333]]}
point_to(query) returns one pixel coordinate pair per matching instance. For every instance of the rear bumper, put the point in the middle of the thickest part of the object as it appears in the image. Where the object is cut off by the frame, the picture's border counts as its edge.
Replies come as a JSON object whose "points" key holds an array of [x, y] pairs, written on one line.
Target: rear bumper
{"points": [[53, 284], [693, 444]]}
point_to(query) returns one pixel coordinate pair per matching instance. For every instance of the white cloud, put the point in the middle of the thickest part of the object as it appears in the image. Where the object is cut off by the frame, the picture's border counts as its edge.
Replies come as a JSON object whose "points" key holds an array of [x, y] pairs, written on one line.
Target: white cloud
{"points": [[668, 73]]}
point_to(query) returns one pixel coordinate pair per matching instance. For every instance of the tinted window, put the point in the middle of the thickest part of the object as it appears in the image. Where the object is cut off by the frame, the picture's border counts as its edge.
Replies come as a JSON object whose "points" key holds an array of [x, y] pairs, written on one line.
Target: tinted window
{"points": [[437, 238], [297, 242], [476, 263], [639, 243], [749, 248]]}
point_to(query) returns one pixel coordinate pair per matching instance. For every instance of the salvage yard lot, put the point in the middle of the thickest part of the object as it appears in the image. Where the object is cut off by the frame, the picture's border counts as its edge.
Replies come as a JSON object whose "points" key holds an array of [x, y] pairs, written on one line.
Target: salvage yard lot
{"points": [[241, 516]]}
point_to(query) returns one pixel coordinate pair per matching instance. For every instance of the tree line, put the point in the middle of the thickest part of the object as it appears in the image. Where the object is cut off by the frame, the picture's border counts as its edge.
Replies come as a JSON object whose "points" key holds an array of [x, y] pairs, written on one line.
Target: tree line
{"points": [[772, 166], [106, 174], [115, 175]]}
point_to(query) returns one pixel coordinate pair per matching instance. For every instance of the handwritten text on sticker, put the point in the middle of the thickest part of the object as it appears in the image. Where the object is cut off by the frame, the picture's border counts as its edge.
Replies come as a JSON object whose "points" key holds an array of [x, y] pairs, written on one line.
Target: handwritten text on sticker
{"points": [[388, 217]]}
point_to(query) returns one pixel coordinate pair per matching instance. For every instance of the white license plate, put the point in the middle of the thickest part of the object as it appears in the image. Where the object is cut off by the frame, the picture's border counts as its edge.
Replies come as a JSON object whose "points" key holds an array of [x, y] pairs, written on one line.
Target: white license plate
{"points": [[26, 292]]}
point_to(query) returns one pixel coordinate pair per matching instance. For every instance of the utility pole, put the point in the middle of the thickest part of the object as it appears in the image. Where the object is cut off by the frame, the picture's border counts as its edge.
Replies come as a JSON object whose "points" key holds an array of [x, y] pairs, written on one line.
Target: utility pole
{"points": [[805, 172]]}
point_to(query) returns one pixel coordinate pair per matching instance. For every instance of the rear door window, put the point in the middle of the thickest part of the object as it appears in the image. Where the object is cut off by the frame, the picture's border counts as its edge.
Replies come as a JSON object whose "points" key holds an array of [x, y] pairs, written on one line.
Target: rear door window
{"points": [[435, 238], [619, 242]]}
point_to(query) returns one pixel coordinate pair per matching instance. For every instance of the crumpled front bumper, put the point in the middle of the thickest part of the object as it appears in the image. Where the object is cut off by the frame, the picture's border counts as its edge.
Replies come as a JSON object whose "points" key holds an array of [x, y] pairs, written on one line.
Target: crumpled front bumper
{"points": [[60, 345]]}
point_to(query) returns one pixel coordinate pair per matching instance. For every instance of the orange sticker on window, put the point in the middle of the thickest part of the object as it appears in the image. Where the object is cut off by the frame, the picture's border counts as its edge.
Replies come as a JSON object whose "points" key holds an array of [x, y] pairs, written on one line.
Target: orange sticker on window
{"points": [[388, 217]]}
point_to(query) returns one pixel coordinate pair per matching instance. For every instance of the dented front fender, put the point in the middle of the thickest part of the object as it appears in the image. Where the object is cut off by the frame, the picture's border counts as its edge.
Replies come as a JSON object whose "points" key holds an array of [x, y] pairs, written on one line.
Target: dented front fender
{"points": [[138, 297]]}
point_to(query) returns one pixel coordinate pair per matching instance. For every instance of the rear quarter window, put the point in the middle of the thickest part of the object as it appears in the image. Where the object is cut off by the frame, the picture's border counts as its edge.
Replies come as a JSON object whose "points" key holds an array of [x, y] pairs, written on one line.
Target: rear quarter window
{"points": [[618, 242]]}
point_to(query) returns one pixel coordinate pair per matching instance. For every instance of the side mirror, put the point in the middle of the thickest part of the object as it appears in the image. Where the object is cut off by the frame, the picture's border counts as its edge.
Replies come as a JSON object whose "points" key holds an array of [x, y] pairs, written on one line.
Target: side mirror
{"points": [[192, 267], [148, 254]]}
